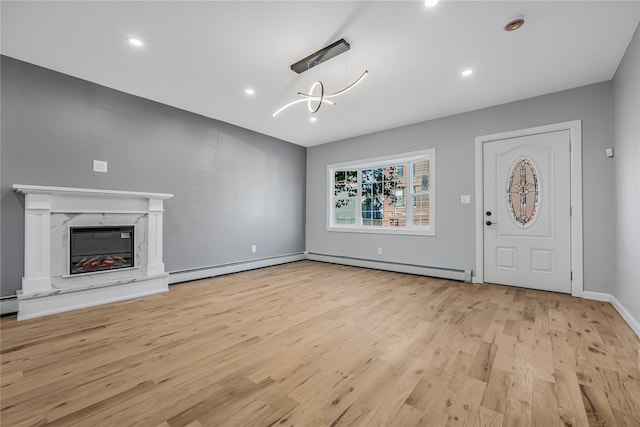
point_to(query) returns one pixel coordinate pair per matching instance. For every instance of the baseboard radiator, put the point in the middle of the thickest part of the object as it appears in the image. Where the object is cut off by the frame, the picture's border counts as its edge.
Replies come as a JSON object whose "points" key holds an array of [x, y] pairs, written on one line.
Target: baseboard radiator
{"points": [[234, 267], [444, 273], [8, 305]]}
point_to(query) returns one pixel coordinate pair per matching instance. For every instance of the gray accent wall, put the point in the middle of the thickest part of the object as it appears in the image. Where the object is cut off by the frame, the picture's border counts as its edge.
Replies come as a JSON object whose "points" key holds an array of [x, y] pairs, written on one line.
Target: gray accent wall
{"points": [[626, 87], [232, 187], [454, 140]]}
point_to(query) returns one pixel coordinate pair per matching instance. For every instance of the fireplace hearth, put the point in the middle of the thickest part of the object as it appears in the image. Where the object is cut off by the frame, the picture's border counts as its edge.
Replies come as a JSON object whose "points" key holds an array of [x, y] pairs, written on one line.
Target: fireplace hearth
{"points": [[95, 249]]}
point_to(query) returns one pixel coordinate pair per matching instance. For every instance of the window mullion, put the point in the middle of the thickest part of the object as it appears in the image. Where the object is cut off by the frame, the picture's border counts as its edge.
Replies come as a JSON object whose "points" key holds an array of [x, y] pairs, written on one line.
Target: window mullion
{"points": [[359, 199], [410, 196], [332, 198]]}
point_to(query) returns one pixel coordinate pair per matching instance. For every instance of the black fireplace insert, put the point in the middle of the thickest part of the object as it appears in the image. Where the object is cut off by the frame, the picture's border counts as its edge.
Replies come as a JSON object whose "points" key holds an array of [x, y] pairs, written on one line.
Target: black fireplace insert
{"points": [[100, 248]]}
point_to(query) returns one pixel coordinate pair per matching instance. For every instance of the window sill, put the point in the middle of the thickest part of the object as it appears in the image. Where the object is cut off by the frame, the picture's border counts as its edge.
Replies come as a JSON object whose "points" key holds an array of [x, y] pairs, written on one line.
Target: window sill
{"points": [[376, 230]]}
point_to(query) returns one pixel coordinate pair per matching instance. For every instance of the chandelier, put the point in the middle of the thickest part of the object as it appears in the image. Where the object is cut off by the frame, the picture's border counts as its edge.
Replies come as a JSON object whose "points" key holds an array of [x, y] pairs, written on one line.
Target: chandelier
{"points": [[316, 94]]}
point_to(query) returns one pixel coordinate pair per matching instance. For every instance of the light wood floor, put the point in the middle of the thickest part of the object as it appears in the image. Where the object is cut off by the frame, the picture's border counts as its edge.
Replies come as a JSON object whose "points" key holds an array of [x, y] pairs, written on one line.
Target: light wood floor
{"points": [[313, 344]]}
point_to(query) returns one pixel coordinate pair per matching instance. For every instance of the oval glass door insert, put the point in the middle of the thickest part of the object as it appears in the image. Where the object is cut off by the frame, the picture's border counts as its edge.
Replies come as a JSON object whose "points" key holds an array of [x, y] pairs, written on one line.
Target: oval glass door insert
{"points": [[523, 192]]}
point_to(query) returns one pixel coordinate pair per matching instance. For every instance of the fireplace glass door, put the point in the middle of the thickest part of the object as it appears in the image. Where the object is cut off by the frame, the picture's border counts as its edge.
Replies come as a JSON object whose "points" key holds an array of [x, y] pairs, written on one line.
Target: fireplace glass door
{"points": [[100, 248]]}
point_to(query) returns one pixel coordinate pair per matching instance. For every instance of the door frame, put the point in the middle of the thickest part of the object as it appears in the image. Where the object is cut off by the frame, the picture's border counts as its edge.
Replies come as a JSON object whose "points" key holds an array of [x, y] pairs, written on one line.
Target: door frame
{"points": [[575, 129]]}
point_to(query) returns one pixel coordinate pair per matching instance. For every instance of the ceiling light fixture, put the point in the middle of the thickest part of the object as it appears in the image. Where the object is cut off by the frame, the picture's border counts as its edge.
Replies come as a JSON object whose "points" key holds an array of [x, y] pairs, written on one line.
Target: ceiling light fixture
{"points": [[315, 96], [249, 91], [136, 42], [467, 73], [431, 3]]}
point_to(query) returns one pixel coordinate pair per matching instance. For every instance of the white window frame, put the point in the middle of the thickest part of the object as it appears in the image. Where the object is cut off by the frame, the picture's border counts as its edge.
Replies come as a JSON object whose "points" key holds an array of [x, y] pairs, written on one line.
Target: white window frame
{"points": [[376, 162]]}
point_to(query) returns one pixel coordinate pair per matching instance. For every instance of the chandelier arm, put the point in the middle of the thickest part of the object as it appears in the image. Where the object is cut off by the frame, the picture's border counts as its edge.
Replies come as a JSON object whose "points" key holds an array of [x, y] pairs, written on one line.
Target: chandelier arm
{"points": [[351, 86], [321, 96], [316, 98], [297, 101]]}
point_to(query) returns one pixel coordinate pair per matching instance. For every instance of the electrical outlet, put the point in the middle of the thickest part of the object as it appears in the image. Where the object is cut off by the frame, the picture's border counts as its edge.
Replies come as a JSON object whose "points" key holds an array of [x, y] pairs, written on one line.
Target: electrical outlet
{"points": [[465, 199], [379, 251], [99, 166], [254, 249]]}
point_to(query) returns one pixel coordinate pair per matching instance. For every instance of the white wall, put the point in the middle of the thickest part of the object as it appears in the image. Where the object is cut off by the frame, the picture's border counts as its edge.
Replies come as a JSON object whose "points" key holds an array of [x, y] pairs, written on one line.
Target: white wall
{"points": [[627, 179], [454, 138]]}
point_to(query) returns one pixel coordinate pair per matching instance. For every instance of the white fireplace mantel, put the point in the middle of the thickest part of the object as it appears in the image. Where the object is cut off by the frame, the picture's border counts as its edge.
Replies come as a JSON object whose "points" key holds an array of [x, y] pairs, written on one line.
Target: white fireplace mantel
{"points": [[44, 289]]}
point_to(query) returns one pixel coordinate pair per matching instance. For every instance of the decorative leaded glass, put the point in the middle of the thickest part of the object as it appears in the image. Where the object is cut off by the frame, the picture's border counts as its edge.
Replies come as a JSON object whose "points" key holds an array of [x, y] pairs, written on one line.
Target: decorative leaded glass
{"points": [[523, 191]]}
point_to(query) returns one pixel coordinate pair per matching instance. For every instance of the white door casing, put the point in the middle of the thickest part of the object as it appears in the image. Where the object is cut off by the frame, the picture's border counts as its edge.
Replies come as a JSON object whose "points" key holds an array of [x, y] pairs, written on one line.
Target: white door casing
{"points": [[527, 234], [574, 168]]}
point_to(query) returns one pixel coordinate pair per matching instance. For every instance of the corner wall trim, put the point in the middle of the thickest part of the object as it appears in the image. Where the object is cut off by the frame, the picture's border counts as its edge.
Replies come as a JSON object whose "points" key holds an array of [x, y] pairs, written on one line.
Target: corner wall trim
{"points": [[236, 267], [633, 323], [444, 273], [622, 310]]}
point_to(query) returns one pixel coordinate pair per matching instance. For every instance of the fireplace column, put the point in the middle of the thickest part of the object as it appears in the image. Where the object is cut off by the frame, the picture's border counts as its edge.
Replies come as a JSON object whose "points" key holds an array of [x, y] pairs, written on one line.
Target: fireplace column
{"points": [[37, 236], [155, 264]]}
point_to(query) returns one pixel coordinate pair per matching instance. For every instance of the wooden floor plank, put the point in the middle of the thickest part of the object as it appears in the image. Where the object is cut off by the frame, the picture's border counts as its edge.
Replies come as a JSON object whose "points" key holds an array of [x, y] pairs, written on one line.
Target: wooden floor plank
{"points": [[310, 343], [544, 404]]}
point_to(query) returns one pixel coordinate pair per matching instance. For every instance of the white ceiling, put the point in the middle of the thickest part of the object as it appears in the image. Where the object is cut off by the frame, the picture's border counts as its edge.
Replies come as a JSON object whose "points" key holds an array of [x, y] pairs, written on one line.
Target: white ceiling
{"points": [[200, 56]]}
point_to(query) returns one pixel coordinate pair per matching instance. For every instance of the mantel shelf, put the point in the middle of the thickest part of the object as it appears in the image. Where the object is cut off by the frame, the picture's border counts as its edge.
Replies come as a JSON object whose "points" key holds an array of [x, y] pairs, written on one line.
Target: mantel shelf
{"points": [[41, 189]]}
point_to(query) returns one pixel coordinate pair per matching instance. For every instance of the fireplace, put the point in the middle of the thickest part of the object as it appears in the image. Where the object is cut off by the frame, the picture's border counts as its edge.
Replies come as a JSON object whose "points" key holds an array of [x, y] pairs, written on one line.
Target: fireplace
{"points": [[105, 224], [100, 248]]}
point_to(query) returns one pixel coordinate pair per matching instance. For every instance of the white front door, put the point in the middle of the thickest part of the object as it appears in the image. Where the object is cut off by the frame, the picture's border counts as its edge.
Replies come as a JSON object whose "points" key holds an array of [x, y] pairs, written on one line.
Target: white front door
{"points": [[527, 202]]}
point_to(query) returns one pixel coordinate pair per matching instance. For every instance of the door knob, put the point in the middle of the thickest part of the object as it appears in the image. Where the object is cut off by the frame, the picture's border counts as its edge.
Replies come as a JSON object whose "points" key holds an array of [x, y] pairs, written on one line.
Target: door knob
{"points": [[488, 213], [489, 223]]}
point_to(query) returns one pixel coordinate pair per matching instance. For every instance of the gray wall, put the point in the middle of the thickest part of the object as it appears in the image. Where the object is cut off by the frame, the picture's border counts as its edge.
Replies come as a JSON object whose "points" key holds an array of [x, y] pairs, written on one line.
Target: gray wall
{"points": [[454, 140], [233, 187], [627, 177]]}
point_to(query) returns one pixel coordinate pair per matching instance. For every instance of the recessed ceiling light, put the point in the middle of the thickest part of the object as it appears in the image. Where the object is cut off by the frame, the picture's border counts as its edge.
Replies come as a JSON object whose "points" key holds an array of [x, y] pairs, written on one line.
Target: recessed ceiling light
{"points": [[467, 73], [313, 119], [249, 91], [136, 42], [431, 3]]}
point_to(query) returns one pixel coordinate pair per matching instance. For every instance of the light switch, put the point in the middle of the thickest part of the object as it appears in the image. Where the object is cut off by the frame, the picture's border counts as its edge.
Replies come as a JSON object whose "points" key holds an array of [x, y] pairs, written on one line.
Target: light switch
{"points": [[608, 152], [99, 166], [465, 199]]}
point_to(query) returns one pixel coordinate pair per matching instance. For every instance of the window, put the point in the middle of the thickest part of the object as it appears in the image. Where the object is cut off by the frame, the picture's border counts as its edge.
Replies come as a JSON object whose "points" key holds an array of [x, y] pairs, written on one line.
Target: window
{"points": [[371, 195]]}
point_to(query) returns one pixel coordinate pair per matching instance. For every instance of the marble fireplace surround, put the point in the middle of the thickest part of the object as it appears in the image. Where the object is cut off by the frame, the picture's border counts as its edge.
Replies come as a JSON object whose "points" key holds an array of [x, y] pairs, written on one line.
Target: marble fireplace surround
{"points": [[47, 286]]}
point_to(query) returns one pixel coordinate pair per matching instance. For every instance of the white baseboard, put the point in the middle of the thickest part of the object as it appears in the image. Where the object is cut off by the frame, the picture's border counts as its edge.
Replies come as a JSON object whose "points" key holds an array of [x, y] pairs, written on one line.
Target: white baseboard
{"points": [[595, 296], [631, 321], [621, 309], [444, 273], [9, 305], [236, 267]]}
